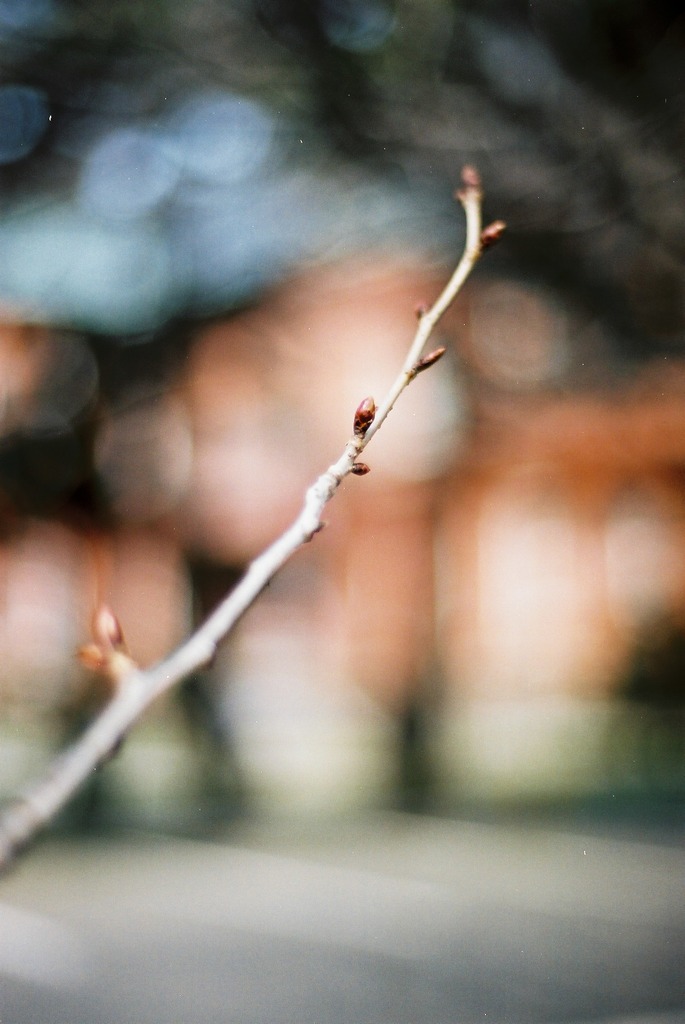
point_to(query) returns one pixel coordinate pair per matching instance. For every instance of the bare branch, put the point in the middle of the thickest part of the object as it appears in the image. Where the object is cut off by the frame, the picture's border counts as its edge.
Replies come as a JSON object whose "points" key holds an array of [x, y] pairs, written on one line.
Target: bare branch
{"points": [[470, 197], [135, 689]]}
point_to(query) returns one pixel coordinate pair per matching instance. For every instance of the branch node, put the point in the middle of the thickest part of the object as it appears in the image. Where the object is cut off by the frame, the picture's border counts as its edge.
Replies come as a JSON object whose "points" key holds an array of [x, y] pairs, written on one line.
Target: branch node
{"points": [[360, 469], [317, 529]]}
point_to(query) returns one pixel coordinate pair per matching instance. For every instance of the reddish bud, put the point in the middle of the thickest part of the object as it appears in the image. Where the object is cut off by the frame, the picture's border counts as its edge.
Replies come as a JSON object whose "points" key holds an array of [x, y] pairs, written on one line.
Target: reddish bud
{"points": [[364, 416], [492, 233], [92, 657], [107, 631], [428, 360], [470, 177], [360, 469], [107, 653]]}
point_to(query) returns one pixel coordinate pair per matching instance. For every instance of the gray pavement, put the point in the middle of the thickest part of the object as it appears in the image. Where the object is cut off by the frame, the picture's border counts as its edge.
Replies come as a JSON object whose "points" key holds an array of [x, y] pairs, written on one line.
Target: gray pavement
{"points": [[396, 920]]}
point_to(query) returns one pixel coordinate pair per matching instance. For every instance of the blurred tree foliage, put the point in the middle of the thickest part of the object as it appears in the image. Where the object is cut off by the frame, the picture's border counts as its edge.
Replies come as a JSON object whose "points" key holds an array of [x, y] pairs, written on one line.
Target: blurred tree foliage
{"points": [[173, 159]]}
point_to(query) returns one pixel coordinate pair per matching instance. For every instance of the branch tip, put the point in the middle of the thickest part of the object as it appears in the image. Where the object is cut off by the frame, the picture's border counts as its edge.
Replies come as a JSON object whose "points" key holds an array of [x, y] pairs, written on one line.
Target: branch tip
{"points": [[364, 416], [470, 178], [470, 185]]}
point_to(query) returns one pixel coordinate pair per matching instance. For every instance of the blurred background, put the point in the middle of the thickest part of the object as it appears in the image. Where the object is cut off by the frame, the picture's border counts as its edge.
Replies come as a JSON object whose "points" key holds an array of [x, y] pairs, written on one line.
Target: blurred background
{"points": [[217, 220]]}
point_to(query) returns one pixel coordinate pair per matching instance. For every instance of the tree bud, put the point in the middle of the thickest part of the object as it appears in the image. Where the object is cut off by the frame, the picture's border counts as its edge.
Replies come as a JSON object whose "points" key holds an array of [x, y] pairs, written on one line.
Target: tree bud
{"points": [[470, 177], [428, 360], [107, 630], [364, 416], [470, 180], [92, 657], [492, 233]]}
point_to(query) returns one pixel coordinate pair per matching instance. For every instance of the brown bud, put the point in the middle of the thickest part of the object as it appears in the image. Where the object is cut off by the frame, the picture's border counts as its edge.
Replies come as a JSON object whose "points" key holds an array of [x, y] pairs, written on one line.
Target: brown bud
{"points": [[92, 657], [364, 416], [428, 360], [107, 653], [112, 665], [360, 469], [492, 233], [421, 310], [107, 631], [470, 177]]}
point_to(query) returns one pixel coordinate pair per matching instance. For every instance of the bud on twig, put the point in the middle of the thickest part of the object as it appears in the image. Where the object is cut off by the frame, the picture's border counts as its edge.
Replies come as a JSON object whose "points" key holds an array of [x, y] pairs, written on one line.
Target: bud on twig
{"points": [[428, 360], [470, 179], [470, 176], [364, 416], [492, 233], [107, 631], [421, 310], [107, 653], [92, 657], [360, 469]]}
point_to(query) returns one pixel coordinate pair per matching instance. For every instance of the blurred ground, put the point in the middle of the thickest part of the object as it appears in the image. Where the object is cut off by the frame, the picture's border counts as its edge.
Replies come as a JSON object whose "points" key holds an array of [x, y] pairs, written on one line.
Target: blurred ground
{"points": [[389, 920]]}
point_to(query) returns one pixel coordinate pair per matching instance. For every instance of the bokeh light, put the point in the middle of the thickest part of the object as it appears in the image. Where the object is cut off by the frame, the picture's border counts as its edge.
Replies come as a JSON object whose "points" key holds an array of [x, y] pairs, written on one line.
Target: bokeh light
{"points": [[23, 120], [127, 173], [21, 16], [220, 138], [62, 265], [356, 25]]}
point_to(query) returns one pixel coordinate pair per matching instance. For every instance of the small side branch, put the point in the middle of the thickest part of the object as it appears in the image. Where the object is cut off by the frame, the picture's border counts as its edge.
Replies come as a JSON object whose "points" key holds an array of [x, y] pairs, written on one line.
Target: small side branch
{"points": [[134, 689]]}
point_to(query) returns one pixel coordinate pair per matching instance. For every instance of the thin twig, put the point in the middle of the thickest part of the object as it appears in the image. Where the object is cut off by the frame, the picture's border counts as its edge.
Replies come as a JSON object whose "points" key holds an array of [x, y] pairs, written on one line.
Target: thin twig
{"points": [[136, 689]]}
